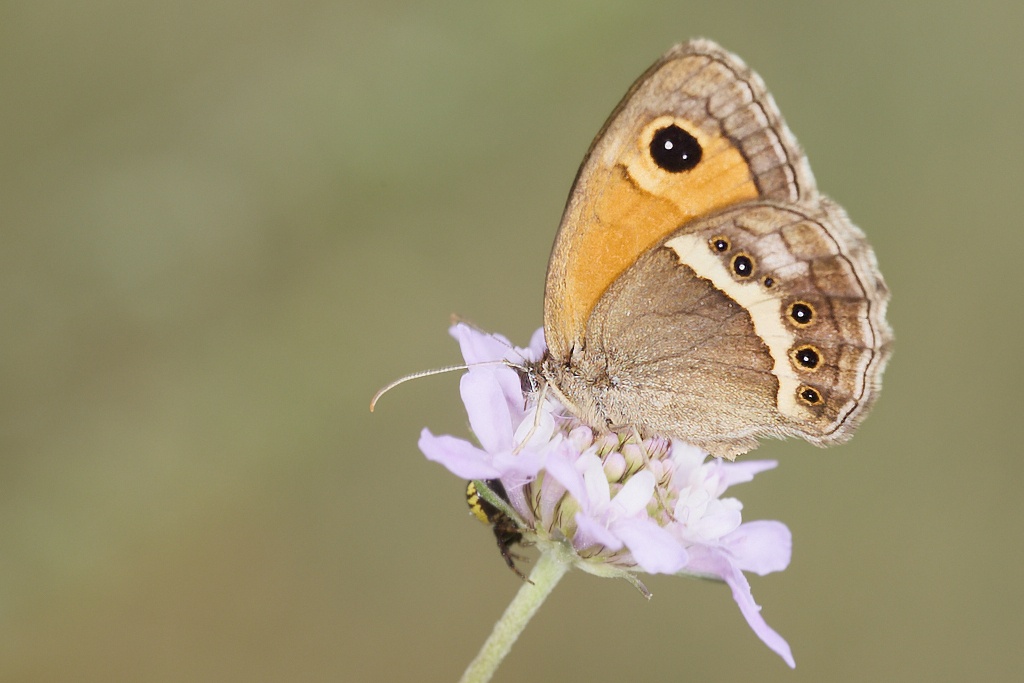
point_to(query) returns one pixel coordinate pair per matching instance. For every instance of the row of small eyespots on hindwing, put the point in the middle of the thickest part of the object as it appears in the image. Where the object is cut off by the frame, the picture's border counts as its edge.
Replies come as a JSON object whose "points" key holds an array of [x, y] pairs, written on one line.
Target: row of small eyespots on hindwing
{"points": [[800, 314]]}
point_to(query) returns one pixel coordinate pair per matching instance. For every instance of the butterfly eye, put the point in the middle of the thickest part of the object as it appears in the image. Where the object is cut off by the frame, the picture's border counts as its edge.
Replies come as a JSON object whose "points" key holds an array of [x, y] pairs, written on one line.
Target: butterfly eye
{"points": [[675, 150]]}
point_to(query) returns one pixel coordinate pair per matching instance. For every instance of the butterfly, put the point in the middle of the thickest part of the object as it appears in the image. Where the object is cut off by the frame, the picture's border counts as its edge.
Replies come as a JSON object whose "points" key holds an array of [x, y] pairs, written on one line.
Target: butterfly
{"points": [[700, 286]]}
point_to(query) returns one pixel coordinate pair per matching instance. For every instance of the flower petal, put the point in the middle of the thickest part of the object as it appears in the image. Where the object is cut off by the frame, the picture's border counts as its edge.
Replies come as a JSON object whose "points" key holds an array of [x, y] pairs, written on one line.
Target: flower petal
{"points": [[686, 455], [598, 493], [537, 345], [752, 613], [561, 467], [488, 410], [711, 562], [655, 549], [539, 430], [742, 472], [591, 531], [635, 494], [761, 546], [462, 458], [518, 500], [522, 467], [479, 347], [721, 516]]}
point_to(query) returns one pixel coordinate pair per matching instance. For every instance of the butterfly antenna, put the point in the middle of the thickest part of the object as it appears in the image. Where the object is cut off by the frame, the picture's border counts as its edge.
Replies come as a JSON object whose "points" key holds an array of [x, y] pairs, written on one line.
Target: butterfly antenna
{"points": [[417, 375]]}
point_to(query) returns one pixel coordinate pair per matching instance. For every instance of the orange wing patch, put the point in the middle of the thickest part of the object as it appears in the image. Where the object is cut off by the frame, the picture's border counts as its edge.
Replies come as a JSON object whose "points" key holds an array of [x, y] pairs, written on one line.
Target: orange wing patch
{"points": [[634, 207]]}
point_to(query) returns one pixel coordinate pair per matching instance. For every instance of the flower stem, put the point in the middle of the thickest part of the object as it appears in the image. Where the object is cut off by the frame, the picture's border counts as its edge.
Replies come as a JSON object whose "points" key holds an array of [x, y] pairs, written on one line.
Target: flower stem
{"points": [[550, 568]]}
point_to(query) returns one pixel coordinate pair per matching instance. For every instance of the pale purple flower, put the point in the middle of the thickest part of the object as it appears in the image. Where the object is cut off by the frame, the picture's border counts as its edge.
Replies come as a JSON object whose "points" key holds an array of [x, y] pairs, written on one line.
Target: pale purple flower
{"points": [[622, 505]]}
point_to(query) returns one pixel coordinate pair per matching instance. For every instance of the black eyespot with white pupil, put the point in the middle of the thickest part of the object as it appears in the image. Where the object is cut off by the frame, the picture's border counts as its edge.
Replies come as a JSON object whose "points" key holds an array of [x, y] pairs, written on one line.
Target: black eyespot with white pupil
{"points": [[802, 313], [742, 265], [807, 356], [809, 395], [719, 244], [675, 150]]}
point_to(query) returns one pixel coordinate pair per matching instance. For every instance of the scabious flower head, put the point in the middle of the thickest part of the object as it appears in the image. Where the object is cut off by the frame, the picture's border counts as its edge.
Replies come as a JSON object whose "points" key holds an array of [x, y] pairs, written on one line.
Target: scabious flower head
{"points": [[611, 502]]}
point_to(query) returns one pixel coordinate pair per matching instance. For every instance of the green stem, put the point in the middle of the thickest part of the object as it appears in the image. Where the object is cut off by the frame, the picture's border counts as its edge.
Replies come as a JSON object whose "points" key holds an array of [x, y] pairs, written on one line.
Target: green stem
{"points": [[550, 568]]}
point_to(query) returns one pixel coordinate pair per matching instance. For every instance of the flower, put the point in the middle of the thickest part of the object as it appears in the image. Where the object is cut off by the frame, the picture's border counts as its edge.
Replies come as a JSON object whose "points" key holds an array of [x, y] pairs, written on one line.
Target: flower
{"points": [[617, 503]]}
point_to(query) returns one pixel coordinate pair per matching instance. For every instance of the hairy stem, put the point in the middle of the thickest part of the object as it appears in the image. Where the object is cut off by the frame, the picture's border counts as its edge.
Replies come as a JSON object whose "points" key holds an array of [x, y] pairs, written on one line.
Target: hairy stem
{"points": [[550, 568]]}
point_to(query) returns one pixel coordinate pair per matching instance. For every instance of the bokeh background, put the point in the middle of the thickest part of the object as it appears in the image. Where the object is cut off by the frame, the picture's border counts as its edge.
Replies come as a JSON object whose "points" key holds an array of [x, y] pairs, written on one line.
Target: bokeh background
{"points": [[226, 224]]}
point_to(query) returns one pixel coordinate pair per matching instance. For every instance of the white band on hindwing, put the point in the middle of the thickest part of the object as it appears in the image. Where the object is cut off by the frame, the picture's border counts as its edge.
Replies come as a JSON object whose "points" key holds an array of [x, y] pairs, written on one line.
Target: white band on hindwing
{"points": [[765, 312]]}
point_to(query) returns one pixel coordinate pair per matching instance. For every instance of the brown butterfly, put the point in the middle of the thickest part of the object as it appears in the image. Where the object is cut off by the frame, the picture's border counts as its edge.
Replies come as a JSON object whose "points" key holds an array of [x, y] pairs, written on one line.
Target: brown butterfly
{"points": [[700, 287]]}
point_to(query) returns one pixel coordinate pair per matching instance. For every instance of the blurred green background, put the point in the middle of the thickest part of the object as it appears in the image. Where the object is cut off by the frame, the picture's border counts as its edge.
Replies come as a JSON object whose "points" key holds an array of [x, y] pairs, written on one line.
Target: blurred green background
{"points": [[225, 224]]}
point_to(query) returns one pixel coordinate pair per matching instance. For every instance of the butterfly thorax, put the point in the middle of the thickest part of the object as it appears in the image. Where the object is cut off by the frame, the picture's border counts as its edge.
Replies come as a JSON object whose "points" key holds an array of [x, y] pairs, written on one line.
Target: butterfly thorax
{"points": [[584, 385]]}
